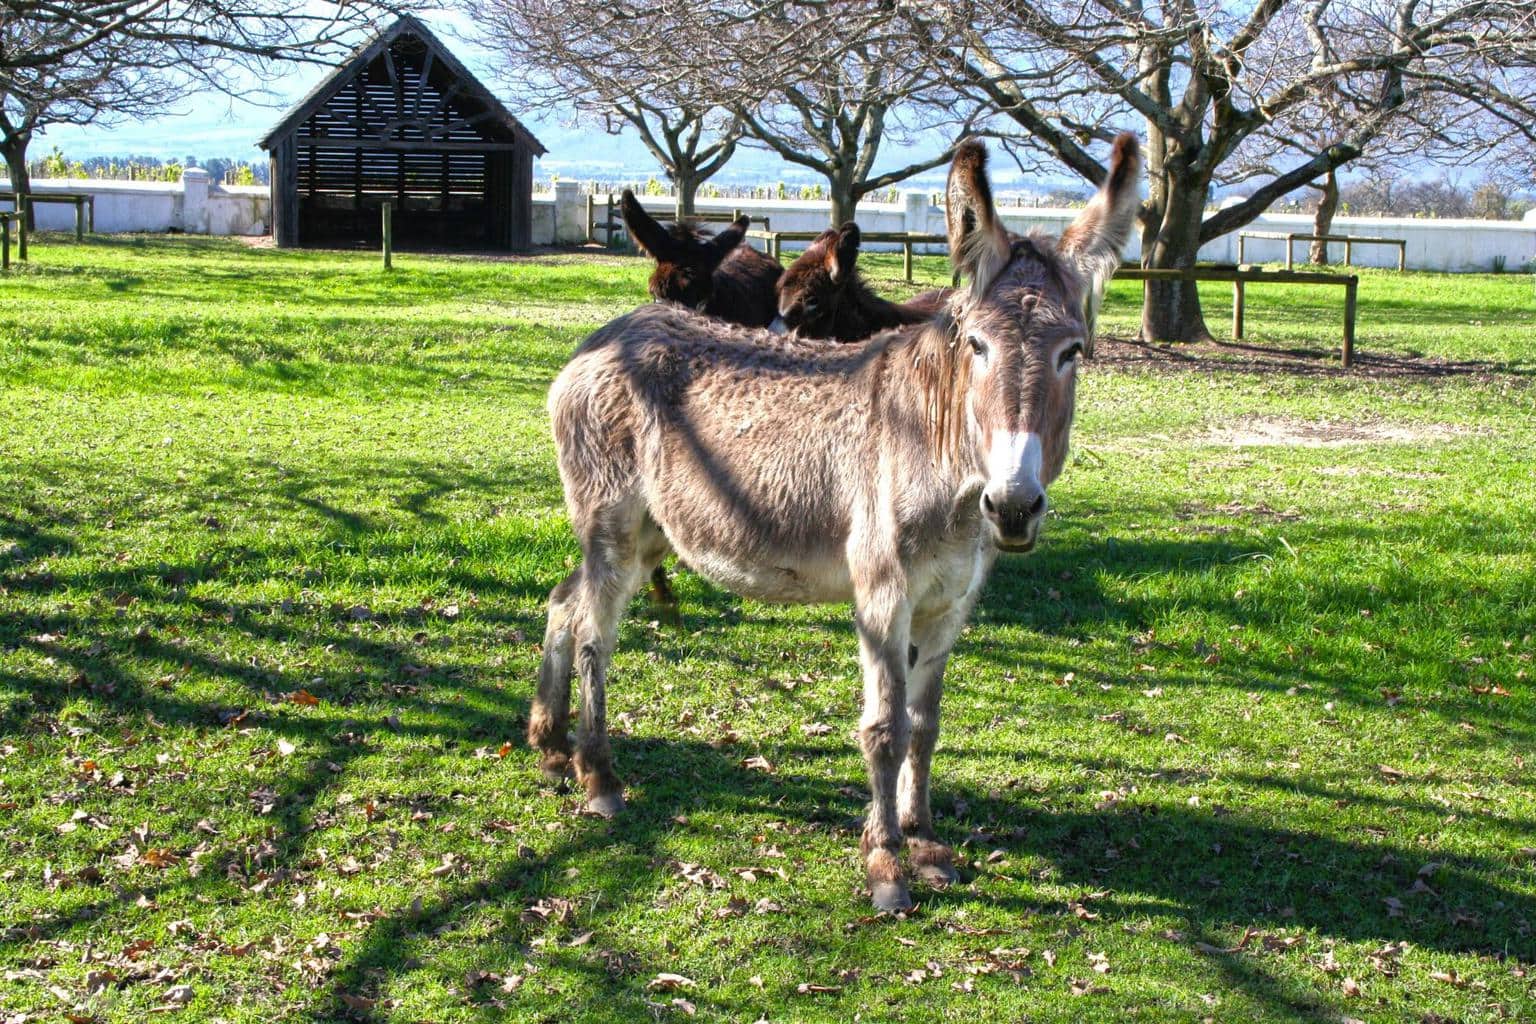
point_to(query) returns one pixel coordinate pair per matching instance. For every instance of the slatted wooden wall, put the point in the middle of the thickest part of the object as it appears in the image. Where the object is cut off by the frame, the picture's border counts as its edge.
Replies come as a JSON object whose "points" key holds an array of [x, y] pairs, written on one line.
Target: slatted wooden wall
{"points": [[404, 129]]}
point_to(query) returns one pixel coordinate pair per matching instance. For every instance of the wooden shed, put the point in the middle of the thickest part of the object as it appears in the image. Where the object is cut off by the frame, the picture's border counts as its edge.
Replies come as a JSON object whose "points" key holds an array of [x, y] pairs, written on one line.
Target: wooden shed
{"points": [[403, 121]]}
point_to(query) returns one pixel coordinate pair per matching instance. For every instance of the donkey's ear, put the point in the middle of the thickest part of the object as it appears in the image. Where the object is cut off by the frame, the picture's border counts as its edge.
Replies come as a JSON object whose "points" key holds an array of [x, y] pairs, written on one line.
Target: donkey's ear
{"points": [[648, 235], [731, 237], [1095, 239], [843, 254], [978, 245]]}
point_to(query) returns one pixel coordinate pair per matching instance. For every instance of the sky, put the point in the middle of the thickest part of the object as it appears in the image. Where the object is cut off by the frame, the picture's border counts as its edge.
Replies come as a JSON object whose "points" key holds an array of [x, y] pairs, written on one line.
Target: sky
{"points": [[212, 125]]}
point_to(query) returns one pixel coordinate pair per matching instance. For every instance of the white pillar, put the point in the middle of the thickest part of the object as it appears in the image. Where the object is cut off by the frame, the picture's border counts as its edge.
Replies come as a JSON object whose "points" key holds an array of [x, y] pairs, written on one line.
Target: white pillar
{"points": [[916, 209], [194, 201], [570, 213]]}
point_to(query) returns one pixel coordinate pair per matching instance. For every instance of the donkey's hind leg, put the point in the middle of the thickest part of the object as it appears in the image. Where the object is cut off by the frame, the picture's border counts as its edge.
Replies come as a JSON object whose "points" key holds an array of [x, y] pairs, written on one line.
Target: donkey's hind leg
{"points": [[549, 722], [611, 573]]}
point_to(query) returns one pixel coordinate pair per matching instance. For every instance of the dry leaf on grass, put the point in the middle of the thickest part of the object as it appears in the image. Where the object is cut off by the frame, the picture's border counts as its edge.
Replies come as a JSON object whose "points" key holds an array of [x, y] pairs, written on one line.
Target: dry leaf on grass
{"points": [[668, 982]]}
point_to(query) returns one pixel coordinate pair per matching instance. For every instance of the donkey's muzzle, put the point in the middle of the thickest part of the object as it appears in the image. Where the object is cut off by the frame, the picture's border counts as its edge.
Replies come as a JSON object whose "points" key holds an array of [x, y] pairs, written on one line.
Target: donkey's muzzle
{"points": [[1015, 518]]}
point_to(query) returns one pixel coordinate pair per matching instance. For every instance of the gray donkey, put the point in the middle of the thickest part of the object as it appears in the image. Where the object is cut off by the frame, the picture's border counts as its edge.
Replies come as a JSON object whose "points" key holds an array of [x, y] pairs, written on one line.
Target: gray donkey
{"points": [[889, 473]]}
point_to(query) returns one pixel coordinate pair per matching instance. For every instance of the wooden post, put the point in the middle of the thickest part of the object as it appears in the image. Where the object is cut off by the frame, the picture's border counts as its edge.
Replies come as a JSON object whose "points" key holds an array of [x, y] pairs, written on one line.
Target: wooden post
{"points": [[776, 247], [1237, 309], [388, 211], [90, 224], [906, 259], [1290, 246], [1402, 256], [591, 212], [80, 219], [5, 242], [1349, 251], [1351, 295], [1241, 239]]}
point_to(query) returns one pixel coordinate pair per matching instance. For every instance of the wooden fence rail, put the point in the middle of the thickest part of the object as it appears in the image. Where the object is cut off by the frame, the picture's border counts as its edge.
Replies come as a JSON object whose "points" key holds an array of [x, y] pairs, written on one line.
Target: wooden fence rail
{"points": [[1350, 241], [773, 242], [83, 202], [1242, 276], [610, 222], [5, 240]]}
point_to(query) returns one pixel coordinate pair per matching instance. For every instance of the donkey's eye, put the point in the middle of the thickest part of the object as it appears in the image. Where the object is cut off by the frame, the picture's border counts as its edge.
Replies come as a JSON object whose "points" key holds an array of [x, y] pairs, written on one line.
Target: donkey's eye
{"points": [[977, 345], [810, 305], [1068, 356]]}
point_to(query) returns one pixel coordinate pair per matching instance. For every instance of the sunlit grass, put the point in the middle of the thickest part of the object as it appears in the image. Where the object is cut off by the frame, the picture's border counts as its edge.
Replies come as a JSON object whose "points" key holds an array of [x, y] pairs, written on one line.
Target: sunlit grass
{"points": [[276, 530]]}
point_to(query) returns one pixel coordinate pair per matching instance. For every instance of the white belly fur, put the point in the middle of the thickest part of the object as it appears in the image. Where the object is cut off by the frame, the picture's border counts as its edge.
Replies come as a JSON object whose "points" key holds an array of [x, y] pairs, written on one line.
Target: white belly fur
{"points": [[784, 582]]}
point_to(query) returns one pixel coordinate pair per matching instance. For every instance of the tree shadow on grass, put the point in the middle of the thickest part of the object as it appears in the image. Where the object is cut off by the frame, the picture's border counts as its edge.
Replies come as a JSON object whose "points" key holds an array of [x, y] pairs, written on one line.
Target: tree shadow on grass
{"points": [[1219, 870]]}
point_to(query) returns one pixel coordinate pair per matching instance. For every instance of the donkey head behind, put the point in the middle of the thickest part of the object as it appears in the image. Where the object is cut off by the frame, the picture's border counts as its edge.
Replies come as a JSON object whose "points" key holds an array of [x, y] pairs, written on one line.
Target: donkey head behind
{"points": [[816, 286], [1003, 388], [686, 259]]}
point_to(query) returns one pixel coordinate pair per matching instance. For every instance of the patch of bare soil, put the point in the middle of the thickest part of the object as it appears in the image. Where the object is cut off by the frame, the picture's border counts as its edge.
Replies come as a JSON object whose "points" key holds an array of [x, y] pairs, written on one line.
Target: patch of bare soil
{"points": [[1242, 357], [1293, 433]]}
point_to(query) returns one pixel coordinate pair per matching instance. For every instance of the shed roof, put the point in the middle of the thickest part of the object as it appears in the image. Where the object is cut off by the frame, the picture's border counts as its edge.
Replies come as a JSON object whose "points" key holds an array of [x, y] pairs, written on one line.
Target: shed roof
{"points": [[369, 51]]}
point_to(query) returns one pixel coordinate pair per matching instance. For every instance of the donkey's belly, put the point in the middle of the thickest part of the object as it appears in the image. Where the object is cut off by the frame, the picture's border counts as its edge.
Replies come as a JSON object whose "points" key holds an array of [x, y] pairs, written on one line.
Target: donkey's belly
{"points": [[780, 580]]}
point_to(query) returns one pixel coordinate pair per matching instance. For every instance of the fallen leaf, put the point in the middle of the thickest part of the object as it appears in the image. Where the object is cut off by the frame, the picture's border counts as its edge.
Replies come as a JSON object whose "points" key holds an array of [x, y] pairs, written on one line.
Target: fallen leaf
{"points": [[303, 697], [758, 762], [285, 748], [1351, 988], [666, 982]]}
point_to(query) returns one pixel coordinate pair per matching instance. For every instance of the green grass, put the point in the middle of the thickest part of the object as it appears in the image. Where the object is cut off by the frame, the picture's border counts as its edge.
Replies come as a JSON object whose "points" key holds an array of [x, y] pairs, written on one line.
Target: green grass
{"points": [[1255, 727]]}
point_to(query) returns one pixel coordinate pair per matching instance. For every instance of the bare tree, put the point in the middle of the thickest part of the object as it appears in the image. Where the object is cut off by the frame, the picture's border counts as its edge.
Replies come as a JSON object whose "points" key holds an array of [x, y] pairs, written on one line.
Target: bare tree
{"points": [[828, 86], [605, 64], [99, 60], [1205, 77]]}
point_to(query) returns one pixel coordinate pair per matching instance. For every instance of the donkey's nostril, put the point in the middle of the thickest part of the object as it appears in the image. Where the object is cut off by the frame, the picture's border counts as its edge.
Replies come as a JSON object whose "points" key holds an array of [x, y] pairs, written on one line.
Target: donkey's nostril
{"points": [[987, 506], [1037, 507]]}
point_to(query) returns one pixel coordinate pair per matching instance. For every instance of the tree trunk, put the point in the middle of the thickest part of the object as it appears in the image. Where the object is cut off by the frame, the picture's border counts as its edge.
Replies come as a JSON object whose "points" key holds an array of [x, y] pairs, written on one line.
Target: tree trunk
{"points": [[1170, 239], [844, 202], [687, 182], [15, 152], [1322, 223]]}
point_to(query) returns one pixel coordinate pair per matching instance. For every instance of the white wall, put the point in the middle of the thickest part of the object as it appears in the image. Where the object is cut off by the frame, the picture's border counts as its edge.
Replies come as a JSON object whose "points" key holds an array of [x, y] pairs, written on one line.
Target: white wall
{"points": [[1449, 245], [198, 206], [156, 206]]}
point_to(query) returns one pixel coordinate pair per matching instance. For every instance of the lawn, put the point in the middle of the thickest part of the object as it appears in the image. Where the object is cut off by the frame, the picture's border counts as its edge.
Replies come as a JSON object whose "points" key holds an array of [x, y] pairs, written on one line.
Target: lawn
{"points": [[1250, 738]]}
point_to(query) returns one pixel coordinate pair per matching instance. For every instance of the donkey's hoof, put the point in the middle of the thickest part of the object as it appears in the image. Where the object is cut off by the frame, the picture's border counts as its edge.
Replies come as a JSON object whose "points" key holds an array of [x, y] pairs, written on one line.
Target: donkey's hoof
{"points": [[940, 876], [891, 897], [604, 805], [556, 767]]}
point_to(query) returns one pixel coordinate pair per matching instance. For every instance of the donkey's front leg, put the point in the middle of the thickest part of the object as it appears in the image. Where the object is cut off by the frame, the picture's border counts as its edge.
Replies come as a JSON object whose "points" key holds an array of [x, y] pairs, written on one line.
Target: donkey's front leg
{"points": [[932, 639], [883, 618]]}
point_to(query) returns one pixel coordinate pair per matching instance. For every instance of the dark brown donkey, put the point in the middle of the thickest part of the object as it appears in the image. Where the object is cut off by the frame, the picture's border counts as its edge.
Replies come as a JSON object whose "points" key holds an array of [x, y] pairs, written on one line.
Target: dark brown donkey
{"points": [[716, 275], [889, 474], [822, 294]]}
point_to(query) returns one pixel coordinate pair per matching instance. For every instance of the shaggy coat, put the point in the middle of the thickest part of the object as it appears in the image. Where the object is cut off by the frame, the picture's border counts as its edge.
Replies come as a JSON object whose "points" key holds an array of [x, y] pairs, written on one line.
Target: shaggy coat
{"points": [[889, 474]]}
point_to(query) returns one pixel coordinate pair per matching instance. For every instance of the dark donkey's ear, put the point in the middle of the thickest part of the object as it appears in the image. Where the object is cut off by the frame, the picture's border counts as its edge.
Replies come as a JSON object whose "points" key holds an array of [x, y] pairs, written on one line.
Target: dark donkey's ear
{"points": [[978, 245], [730, 237], [1094, 241], [648, 235], [843, 255]]}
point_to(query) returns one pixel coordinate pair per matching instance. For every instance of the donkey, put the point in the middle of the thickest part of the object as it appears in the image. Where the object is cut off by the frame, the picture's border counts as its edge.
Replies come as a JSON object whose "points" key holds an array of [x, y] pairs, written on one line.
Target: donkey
{"points": [[889, 473], [715, 275], [822, 294]]}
